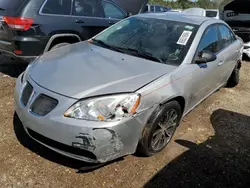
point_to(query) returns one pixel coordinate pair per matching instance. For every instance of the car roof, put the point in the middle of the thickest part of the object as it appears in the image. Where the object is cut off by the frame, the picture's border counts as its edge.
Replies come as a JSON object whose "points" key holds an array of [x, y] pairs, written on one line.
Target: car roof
{"points": [[179, 17]]}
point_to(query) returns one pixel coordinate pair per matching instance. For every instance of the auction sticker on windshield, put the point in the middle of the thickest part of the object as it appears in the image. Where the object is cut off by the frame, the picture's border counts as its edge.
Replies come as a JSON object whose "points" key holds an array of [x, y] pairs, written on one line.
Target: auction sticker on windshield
{"points": [[184, 37]]}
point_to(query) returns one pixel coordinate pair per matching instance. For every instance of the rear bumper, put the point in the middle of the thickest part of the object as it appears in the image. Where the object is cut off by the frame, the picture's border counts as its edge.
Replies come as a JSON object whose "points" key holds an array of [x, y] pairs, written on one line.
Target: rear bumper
{"points": [[29, 46], [13, 56]]}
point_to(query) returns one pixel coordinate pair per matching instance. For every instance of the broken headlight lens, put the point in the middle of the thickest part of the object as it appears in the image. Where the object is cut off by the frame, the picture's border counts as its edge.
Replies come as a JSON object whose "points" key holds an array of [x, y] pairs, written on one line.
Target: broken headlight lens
{"points": [[107, 108]]}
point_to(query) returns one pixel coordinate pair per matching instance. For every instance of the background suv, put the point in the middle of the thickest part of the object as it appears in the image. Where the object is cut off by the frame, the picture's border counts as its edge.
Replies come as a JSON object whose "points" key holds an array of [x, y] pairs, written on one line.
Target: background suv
{"points": [[29, 28], [156, 8]]}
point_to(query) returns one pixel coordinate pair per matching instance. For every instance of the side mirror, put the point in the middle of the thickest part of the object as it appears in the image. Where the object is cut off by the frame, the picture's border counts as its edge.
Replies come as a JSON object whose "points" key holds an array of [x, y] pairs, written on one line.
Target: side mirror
{"points": [[205, 57]]}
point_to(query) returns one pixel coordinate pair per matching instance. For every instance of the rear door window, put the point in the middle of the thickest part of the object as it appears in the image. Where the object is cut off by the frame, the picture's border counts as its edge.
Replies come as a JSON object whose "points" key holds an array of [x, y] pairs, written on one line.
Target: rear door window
{"points": [[112, 11], [10, 5], [226, 37], [58, 7], [85, 8]]}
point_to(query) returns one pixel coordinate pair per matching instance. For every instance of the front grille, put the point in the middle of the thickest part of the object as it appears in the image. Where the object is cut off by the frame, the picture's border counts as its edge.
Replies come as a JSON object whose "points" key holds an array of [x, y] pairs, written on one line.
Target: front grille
{"points": [[26, 93], [43, 105], [60, 146]]}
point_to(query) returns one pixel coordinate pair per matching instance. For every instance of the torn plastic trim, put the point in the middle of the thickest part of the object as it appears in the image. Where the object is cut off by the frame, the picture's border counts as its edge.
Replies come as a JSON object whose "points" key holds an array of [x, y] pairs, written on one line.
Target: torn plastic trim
{"points": [[104, 143]]}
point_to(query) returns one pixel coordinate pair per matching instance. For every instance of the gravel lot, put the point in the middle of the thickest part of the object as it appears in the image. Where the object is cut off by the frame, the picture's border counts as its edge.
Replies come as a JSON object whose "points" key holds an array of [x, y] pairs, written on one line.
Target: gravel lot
{"points": [[210, 149]]}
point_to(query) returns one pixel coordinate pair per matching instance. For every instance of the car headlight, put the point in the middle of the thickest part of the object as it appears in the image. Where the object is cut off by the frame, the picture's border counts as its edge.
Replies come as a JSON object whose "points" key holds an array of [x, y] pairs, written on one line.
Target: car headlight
{"points": [[106, 108]]}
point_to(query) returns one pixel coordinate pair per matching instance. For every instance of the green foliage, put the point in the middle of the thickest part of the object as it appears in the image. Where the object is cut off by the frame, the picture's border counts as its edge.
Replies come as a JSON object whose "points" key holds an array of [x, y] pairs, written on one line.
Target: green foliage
{"points": [[183, 4]]}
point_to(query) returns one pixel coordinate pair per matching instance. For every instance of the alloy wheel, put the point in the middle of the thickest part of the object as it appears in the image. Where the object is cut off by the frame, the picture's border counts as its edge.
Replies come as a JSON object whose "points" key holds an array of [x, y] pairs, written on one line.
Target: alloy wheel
{"points": [[165, 130]]}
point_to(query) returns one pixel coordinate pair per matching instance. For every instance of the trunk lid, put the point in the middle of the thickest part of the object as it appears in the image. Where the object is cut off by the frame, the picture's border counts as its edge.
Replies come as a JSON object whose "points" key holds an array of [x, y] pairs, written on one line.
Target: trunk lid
{"points": [[132, 6]]}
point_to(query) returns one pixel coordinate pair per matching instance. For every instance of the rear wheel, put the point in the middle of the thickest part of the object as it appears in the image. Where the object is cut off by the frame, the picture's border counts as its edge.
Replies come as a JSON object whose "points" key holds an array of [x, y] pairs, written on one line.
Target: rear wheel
{"points": [[234, 79], [59, 45], [159, 131]]}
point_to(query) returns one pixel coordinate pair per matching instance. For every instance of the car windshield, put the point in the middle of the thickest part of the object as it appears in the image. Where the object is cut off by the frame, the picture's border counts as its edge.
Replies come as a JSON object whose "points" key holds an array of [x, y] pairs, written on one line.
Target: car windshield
{"points": [[210, 13], [158, 40]]}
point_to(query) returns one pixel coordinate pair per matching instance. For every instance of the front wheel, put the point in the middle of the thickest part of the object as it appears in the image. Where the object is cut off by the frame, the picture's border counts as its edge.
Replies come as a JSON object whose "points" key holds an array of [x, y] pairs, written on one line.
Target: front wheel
{"points": [[161, 128]]}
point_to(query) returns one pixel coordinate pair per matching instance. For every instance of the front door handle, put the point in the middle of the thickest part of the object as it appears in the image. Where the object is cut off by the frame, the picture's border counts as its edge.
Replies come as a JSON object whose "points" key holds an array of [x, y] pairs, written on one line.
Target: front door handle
{"points": [[221, 63], [79, 21]]}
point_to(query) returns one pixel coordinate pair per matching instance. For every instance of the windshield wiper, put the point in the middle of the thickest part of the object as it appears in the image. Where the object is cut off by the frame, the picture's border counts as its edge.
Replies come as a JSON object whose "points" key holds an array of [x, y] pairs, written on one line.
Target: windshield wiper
{"points": [[142, 54], [2, 9], [137, 52], [107, 45]]}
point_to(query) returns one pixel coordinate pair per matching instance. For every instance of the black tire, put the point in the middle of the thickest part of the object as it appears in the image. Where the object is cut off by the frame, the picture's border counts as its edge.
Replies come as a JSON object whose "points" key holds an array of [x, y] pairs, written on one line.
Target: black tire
{"points": [[59, 45], [234, 78], [146, 146]]}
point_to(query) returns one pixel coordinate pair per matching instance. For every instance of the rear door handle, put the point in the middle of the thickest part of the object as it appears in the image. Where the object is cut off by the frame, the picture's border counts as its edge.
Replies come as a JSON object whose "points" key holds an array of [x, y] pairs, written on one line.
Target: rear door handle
{"points": [[221, 63], [79, 21]]}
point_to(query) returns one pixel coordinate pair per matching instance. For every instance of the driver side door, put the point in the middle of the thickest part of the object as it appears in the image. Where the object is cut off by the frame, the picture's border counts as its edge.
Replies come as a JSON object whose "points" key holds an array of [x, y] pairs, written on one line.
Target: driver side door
{"points": [[206, 77]]}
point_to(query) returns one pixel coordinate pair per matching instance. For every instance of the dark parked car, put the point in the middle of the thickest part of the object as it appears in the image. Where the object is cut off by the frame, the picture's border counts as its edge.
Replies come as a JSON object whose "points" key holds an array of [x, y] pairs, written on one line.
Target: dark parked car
{"points": [[237, 15], [28, 28], [156, 8]]}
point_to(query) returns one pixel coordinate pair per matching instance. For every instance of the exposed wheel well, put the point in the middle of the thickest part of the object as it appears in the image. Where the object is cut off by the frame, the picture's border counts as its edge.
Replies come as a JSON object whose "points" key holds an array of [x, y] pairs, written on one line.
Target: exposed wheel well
{"points": [[180, 100], [67, 39]]}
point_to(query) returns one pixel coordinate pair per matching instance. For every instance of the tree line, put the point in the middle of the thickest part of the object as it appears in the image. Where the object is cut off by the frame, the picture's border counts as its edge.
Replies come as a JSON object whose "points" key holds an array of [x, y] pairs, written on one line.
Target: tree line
{"points": [[184, 4]]}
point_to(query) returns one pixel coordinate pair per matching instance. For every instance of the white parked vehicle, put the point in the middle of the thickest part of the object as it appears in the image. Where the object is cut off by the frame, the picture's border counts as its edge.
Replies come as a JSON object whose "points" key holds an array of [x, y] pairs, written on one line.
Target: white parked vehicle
{"points": [[213, 13], [195, 11], [176, 10]]}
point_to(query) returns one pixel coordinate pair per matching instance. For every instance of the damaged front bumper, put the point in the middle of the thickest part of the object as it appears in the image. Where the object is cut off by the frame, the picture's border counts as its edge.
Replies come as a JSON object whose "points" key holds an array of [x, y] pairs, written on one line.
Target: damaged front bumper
{"points": [[89, 141]]}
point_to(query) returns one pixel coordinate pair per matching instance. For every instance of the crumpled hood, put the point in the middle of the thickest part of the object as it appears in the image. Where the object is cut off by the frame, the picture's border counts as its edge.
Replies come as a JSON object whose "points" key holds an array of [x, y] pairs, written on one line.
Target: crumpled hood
{"points": [[83, 70]]}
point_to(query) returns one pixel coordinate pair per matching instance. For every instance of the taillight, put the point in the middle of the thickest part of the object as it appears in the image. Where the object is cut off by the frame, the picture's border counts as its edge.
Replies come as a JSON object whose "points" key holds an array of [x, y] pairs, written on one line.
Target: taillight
{"points": [[18, 23], [18, 52]]}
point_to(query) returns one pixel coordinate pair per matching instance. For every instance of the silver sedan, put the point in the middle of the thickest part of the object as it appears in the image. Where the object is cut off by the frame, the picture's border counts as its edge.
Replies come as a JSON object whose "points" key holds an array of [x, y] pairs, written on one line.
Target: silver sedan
{"points": [[127, 88]]}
